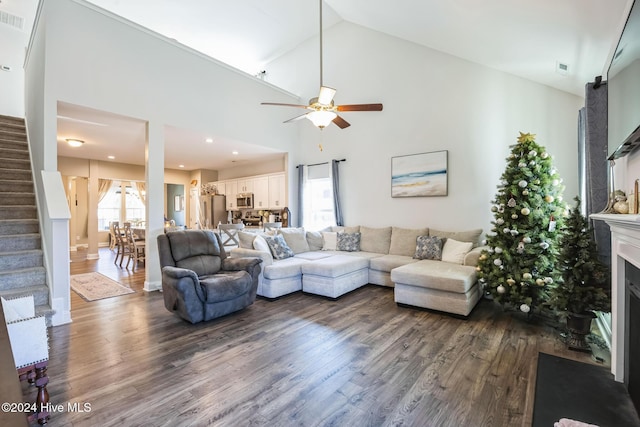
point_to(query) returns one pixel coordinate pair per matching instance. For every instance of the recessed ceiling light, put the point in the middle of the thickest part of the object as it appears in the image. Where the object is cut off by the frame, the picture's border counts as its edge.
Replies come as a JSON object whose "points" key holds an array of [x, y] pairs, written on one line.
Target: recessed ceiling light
{"points": [[209, 140], [180, 166], [111, 157], [75, 142], [235, 153]]}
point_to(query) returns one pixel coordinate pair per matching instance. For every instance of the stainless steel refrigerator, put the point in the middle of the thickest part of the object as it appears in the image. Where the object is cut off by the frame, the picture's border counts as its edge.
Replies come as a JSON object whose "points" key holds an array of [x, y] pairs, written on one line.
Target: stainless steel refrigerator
{"points": [[212, 210]]}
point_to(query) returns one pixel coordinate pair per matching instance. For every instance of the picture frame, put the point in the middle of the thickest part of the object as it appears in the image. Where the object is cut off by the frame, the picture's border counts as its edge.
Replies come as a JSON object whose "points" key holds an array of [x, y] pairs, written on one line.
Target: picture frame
{"points": [[420, 175]]}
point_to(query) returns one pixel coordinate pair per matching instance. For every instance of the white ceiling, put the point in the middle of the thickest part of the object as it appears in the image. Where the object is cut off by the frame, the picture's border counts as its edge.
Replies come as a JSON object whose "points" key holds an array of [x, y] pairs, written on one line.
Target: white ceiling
{"points": [[523, 37]]}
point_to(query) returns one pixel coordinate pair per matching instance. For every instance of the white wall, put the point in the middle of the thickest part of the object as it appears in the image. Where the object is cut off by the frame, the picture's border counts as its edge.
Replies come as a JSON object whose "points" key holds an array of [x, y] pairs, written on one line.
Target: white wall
{"points": [[432, 101], [13, 43]]}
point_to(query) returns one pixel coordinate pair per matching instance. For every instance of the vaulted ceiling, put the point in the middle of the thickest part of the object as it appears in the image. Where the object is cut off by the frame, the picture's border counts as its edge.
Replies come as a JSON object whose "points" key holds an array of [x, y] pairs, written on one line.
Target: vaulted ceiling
{"points": [[560, 43]]}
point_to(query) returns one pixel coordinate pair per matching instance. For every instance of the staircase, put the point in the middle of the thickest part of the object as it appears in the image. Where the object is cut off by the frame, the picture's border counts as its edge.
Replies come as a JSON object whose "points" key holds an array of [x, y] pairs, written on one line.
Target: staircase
{"points": [[21, 259]]}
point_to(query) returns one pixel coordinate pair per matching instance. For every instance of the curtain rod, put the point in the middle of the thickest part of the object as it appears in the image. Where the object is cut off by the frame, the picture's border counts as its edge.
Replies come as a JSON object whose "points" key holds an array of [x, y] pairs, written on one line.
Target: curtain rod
{"points": [[323, 163]]}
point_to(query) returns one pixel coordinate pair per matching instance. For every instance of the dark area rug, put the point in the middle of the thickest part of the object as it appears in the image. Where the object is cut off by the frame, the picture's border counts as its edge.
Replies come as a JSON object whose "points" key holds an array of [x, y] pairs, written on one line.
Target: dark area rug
{"points": [[582, 392]]}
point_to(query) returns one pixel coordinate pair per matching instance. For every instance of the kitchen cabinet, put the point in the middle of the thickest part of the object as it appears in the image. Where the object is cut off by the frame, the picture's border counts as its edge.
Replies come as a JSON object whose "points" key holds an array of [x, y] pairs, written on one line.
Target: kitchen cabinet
{"points": [[231, 188], [277, 191], [261, 193], [220, 187], [245, 186]]}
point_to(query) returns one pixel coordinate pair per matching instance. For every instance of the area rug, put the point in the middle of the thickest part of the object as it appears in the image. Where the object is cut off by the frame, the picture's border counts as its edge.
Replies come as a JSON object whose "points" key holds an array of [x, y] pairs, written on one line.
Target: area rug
{"points": [[580, 391], [95, 286]]}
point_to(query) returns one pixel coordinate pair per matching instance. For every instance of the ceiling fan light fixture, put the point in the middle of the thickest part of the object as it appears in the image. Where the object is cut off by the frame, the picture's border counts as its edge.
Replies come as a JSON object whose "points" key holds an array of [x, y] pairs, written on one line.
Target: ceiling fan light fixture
{"points": [[321, 118], [75, 142]]}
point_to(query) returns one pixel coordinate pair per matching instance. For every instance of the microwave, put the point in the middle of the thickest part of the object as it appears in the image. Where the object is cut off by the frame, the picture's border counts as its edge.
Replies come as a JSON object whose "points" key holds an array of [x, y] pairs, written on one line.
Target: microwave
{"points": [[244, 201]]}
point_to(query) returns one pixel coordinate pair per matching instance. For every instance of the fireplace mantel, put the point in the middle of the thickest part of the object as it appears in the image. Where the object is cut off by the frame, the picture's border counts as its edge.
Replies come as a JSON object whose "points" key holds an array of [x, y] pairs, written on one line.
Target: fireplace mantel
{"points": [[625, 246]]}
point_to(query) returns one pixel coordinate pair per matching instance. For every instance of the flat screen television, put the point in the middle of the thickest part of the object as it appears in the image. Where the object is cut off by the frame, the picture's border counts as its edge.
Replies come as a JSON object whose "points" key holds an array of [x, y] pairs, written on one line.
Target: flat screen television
{"points": [[623, 81]]}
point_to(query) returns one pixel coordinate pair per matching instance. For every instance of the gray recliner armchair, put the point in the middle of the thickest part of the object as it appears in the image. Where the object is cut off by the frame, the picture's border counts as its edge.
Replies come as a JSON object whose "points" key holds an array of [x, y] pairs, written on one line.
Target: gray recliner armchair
{"points": [[199, 282]]}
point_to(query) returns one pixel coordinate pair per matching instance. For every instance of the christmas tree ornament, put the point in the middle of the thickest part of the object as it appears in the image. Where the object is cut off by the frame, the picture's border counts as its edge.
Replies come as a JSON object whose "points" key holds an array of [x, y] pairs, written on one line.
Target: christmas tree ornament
{"points": [[527, 276], [506, 231], [514, 232], [522, 165], [514, 216], [497, 261], [501, 209], [511, 203], [520, 247], [526, 239], [511, 282], [500, 221], [548, 280], [498, 250], [532, 163], [549, 198], [522, 183], [544, 155], [539, 282], [525, 211], [484, 242], [544, 245], [494, 209], [501, 289], [525, 308], [533, 153], [555, 182], [483, 257], [525, 192]]}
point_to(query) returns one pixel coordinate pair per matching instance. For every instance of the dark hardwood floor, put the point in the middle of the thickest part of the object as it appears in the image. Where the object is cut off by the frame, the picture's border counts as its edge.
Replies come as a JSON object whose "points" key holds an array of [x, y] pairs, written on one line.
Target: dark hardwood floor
{"points": [[301, 360]]}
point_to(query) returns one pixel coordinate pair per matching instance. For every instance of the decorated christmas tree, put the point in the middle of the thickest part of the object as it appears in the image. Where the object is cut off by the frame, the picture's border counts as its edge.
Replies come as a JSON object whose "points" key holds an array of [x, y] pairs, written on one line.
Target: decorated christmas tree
{"points": [[520, 263], [584, 278]]}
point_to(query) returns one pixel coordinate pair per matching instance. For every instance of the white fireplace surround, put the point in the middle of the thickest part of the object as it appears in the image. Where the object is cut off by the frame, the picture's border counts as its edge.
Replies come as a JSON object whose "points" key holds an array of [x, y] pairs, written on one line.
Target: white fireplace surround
{"points": [[625, 246]]}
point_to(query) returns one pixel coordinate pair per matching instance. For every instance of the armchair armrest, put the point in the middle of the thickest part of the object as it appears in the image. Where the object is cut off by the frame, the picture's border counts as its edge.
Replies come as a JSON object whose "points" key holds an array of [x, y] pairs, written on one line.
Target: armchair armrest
{"points": [[471, 258], [182, 281], [246, 264]]}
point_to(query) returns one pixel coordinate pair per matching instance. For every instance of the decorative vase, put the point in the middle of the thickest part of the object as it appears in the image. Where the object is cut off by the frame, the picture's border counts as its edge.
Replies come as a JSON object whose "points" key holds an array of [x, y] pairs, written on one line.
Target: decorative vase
{"points": [[579, 325]]}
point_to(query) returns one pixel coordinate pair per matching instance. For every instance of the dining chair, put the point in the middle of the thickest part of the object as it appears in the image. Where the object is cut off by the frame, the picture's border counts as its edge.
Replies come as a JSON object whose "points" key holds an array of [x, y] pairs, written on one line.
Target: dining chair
{"points": [[121, 243], [136, 248], [229, 234], [113, 242], [271, 225]]}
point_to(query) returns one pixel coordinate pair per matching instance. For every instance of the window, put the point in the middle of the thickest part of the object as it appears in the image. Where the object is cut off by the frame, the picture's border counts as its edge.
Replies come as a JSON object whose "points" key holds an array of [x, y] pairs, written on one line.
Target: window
{"points": [[121, 203], [109, 207], [318, 198]]}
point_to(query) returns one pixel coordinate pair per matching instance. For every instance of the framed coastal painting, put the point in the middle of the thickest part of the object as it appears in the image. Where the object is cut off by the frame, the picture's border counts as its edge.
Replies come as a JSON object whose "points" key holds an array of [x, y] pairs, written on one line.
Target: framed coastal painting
{"points": [[419, 175]]}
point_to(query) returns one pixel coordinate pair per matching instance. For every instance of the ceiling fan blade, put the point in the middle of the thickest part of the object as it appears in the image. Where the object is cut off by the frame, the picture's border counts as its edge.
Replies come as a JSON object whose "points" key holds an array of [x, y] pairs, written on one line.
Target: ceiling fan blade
{"points": [[360, 107], [295, 119], [326, 95], [341, 123], [284, 105]]}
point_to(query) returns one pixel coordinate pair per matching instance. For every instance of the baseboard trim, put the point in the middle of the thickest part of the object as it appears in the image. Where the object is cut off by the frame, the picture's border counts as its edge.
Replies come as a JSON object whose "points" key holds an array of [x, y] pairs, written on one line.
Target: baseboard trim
{"points": [[152, 286]]}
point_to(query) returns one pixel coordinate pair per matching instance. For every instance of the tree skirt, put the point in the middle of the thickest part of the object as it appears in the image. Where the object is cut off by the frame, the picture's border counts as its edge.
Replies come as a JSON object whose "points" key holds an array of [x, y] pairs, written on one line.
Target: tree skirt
{"points": [[95, 286]]}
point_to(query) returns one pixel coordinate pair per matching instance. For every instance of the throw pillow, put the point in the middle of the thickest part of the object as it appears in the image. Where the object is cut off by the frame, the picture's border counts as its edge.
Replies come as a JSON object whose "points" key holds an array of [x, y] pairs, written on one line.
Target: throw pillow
{"points": [[329, 240], [296, 239], [245, 239], [259, 244], [349, 242], [428, 247], [278, 246], [454, 251]]}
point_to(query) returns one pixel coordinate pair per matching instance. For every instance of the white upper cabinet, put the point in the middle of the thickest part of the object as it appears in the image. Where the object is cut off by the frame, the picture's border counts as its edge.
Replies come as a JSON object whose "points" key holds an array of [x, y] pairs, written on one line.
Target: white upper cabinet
{"points": [[277, 191], [261, 193]]}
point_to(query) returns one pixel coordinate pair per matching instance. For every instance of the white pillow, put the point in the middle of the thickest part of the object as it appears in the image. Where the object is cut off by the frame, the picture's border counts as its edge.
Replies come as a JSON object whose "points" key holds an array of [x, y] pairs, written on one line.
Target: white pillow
{"points": [[329, 240], [454, 251], [259, 244]]}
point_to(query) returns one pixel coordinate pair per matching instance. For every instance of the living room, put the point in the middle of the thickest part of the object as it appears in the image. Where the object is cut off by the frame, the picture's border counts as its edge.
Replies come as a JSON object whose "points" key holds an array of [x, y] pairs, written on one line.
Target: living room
{"points": [[85, 56]]}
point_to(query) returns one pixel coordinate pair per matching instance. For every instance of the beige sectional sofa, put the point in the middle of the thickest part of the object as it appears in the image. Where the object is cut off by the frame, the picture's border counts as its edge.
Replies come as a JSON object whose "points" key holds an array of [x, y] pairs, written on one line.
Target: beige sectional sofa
{"points": [[384, 256]]}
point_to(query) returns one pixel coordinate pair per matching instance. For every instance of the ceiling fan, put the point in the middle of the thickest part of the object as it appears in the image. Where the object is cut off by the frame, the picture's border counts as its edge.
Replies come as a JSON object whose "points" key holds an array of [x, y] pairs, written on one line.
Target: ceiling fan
{"points": [[323, 109]]}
